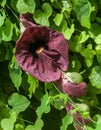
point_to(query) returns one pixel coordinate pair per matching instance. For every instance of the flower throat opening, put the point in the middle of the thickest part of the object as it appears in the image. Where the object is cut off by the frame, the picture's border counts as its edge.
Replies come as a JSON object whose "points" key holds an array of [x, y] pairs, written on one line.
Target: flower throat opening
{"points": [[37, 47], [39, 50]]}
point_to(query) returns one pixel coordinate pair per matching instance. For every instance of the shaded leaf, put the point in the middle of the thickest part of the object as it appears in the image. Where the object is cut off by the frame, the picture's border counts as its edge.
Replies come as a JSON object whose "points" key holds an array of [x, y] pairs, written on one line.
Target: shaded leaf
{"points": [[2, 17], [98, 123], [15, 73], [75, 64], [33, 85], [5, 51], [7, 31], [13, 4], [83, 11], [95, 30]]}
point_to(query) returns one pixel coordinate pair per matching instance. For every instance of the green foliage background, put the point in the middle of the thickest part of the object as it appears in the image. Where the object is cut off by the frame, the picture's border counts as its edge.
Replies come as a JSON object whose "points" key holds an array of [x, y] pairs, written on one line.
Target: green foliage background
{"points": [[25, 102]]}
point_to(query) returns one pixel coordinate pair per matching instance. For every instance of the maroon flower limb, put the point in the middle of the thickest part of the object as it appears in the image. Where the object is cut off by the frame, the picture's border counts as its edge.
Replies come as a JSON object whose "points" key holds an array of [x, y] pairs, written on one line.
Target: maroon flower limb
{"points": [[43, 68], [43, 53], [58, 43], [72, 89]]}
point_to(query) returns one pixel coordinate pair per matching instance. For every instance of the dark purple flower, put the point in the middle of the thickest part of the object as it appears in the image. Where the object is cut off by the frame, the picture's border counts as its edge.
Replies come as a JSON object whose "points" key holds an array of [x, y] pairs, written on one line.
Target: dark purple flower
{"points": [[42, 52], [72, 89]]}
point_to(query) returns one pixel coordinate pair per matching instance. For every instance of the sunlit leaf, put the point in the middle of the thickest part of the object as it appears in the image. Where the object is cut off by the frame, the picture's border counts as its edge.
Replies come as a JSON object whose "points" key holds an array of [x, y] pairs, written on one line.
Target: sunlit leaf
{"points": [[25, 6], [98, 39], [59, 101], [44, 107], [78, 41], [19, 127], [98, 53], [95, 77], [42, 16], [74, 77], [47, 9], [83, 37], [18, 102], [3, 3], [68, 32], [58, 19], [83, 109], [8, 123], [66, 121], [37, 126], [88, 53], [95, 30]]}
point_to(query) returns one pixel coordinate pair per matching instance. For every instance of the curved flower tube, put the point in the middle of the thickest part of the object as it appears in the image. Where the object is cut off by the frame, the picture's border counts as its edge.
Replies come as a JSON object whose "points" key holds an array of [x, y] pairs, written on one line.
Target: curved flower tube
{"points": [[72, 89], [42, 52], [27, 20]]}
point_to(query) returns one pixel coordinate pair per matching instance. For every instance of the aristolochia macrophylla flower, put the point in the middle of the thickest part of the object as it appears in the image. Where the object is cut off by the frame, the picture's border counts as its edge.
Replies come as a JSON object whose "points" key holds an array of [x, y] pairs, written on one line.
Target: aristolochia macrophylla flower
{"points": [[72, 89], [42, 52]]}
